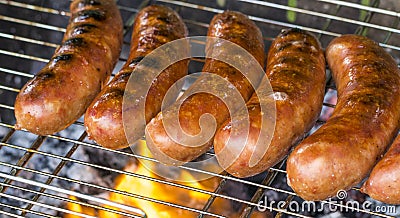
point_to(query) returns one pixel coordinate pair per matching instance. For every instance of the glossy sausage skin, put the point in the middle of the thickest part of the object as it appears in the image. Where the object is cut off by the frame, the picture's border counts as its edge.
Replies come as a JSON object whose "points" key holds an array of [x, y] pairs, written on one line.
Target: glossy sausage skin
{"points": [[344, 150], [232, 26], [60, 92], [154, 26], [296, 71], [383, 183]]}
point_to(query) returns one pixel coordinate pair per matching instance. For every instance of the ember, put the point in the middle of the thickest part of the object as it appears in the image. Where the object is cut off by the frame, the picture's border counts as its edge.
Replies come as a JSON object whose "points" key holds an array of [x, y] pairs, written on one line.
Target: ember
{"points": [[161, 192], [156, 198]]}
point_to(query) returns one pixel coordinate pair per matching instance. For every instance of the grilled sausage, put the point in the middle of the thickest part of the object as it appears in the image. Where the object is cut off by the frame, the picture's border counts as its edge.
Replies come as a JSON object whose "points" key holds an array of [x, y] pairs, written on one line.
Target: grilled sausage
{"points": [[61, 91], [344, 150], [154, 26], [383, 183], [296, 71], [232, 26]]}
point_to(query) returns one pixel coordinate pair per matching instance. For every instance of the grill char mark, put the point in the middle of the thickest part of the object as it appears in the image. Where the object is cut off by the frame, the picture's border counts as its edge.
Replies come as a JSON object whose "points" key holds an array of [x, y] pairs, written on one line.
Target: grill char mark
{"points": [[154, 26], [78, 41], [46, 75], [80, 66], [62, 57], [98, 15], [136, 60], [83, 28]]}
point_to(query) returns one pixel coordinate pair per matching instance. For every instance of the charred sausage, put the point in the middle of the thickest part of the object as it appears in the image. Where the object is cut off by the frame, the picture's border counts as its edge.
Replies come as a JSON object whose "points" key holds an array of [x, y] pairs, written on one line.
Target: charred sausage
{"points": [[383, 183], [61, 91], [229, 25], [344, 150], [296, 71], [154, 26]]}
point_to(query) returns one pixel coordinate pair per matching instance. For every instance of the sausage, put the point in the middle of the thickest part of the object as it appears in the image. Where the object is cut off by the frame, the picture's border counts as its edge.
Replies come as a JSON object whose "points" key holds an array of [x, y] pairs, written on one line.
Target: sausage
{"points": [[229, 25], [154, 26], [296, 71], [62, 90], [383, 183], [365, 120]]}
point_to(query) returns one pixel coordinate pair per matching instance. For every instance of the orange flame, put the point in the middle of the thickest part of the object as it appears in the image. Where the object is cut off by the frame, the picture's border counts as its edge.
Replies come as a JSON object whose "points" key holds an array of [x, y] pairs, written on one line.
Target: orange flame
{"points": [[162, 192], [159, 191], [78, 208]]}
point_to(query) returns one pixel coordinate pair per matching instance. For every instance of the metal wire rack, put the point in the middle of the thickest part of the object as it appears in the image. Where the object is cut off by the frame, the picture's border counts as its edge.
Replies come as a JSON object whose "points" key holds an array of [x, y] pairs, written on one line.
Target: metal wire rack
{"points": [[30, 30]]}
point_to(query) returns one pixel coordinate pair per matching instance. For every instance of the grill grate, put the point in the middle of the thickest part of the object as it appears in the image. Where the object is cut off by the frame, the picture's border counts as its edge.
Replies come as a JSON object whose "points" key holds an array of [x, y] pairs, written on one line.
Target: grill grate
{"points": [[35, 32]]}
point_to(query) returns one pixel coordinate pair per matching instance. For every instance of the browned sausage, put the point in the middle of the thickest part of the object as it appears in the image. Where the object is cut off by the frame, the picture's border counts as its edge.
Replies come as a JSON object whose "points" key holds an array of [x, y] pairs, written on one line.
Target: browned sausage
{"points": [[60, 93], [383, 183], [232, 26], [344, 150], [154, 26], [296, 71]]}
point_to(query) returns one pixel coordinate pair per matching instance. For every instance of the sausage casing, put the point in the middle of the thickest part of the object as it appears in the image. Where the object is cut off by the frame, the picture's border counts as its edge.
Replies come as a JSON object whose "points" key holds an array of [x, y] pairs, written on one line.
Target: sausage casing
{"points": [[296, 71], [154, 26], [61, 91], [232, 26], [383, 183], [344, 150]]}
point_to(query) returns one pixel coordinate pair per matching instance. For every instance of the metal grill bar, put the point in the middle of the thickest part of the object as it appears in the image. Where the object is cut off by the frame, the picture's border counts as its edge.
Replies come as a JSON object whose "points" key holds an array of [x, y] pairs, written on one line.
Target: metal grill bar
{"points": [[212, 198], [10, 214], [149, 159], [101, 200], [6, 107], [17, 73], [269, 178], [43, 205], [6, 137], [28, 210], [9, 88], [289, 25], [138, 175], [148, 178], [23, 160], [269, 21], [67, 158], [57, 169], [222, 176], [257, 2], [37, 213], [23, 39], [23, 56], [31, 23], [67, 192], [261, 186], [17, 208], [35, 7], [327, 16], [109, 190], [251, 204], [362, 7]]}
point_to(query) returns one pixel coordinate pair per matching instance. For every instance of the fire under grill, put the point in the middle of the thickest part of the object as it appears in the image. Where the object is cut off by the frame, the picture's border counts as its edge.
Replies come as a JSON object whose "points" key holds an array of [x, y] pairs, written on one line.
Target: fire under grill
{"points": [[66, 174]]}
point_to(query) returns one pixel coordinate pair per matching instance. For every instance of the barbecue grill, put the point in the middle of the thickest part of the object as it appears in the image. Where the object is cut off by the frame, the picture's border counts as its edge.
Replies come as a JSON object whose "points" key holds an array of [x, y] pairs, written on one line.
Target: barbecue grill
{"points": [[39, 175]]}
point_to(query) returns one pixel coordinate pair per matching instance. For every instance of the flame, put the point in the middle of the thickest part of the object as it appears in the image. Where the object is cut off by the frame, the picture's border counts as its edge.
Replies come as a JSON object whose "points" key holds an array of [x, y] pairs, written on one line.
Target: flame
{"points": [[172, 195], [157, 191], [78, 208], [160, 191]]}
